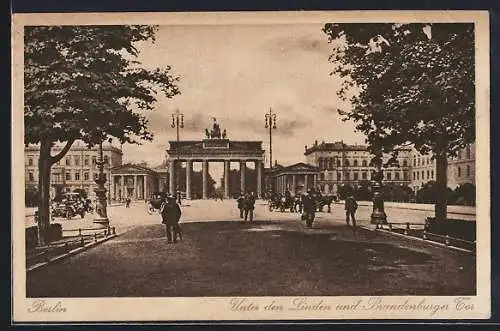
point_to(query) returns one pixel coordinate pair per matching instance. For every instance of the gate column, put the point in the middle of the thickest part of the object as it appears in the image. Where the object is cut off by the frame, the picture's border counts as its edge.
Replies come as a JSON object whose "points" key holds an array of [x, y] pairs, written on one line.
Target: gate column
{"points": [[243, 167], [204, 176], [189, 168], [227, 168]]}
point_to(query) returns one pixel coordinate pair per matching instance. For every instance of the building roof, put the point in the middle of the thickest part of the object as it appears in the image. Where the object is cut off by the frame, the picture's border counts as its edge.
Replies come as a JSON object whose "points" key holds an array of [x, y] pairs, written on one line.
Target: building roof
{"points": [[129, 168], [77, 146], [215, 147], [339, 146], [298, 168]]}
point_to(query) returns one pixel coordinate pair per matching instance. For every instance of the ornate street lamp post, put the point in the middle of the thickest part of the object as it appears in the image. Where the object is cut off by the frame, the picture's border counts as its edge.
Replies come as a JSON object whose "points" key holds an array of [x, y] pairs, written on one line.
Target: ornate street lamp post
{"points": [[378, 215], [270, 124], [100, 191], [178, 123]]}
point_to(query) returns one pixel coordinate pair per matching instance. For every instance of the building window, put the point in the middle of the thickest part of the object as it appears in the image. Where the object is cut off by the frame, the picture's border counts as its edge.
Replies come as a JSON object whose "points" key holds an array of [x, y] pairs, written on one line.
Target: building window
{"points": [[338, 163], [339, 176], [346, 175], [432, 174], [405, 163], [346, 163], [355, 163], [68, 162], [321, 176], [414, 161], [86, 176], [31, 178], [423, 175], [459, 172], [468, 170], [467, 152], [418, 175], [94, 160], [68, 176], [363, 163], [414, 176], [389, 176], [396, 176], [363, 175], [30, 161], [77, 176], [356, 176], [428, 174], [405, 175], [86, 161], [77, 160], [330, 163], [418, 162]]}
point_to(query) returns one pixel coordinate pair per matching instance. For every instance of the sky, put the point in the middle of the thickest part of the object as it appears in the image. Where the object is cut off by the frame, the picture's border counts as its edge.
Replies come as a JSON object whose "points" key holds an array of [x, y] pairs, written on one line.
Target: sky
{"points": [[236, 73]]}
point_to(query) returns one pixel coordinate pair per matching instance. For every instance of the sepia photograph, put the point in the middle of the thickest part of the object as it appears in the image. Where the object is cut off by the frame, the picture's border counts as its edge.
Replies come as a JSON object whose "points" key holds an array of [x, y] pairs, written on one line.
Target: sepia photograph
{"points": [[250, 166]]}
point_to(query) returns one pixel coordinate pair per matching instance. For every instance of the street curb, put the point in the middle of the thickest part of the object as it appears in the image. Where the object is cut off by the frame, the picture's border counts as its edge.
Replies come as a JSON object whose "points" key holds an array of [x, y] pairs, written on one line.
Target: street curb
{"points": [[434, 243], [70, 253], [412, 208]]}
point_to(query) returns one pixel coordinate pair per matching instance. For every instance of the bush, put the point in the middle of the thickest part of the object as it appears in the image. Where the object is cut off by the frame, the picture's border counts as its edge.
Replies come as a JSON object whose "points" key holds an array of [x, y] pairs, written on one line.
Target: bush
{"points": [[31, 196], [456, 228], [345, 190], [464, 194], [429, 193], [31, 237], [55, 233]]}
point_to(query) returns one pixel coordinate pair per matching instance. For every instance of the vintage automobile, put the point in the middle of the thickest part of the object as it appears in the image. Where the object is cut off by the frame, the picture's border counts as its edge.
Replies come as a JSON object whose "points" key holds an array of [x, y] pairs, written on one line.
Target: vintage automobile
{"points": [[68, 205]]}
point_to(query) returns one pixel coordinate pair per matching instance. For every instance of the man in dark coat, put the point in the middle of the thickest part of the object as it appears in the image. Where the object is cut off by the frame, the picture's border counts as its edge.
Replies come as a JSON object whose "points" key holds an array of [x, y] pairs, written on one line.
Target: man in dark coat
{"points": [[241, 204], [171, 214], [249, 206], [309, 208], [350, 206]]}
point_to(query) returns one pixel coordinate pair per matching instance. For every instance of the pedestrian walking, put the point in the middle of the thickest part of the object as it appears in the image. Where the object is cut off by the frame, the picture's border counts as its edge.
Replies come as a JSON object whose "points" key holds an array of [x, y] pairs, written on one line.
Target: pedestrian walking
{"points": [[241, 204], [249, 206], [171, 215], [127, 203], [350, 206], [309, 208]]}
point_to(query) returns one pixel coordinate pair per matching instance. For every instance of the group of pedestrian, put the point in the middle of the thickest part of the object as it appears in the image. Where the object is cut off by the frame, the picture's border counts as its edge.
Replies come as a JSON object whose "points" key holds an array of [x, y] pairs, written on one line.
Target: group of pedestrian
{"points": [[246, 205]]}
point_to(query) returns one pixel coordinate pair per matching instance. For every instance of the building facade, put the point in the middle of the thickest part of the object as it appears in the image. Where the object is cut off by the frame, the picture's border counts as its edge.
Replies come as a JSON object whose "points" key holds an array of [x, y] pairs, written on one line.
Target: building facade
{"points": [[461, 169], [341, 164], [296, 178], [135, 182], [76, 170]]}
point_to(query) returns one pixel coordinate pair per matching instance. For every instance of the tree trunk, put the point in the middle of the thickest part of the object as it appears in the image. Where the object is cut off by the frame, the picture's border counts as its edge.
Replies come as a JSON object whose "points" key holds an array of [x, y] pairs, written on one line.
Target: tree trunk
{"points": [[442, 186], [44, 165]]}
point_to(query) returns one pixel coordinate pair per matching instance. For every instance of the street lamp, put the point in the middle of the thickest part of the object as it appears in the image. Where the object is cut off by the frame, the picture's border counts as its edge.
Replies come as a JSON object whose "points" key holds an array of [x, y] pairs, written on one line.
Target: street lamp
{"points": [[378, 215], [178, 123], [100, 191], [270, 124]]}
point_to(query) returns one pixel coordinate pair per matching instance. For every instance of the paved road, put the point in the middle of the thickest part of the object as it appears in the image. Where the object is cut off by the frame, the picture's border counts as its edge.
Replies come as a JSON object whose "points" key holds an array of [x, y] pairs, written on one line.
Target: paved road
{"points": [[276, 255]]}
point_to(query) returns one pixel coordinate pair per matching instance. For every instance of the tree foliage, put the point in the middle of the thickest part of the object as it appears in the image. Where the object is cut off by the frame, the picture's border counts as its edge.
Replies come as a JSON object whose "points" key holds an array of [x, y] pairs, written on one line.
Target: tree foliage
{"points": [[407, 83], [82, 82]]}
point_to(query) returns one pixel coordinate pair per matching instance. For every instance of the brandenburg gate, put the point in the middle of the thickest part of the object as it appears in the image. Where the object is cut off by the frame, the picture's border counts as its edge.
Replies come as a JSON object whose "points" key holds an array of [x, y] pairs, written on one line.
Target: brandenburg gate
{"points": [[216, 147]]}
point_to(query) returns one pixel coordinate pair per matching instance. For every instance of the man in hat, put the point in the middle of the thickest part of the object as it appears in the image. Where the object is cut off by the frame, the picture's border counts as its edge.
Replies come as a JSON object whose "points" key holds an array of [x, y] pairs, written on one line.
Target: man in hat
{"points": [[350, 206], [309, 208], [171, 214], [241, 203]]}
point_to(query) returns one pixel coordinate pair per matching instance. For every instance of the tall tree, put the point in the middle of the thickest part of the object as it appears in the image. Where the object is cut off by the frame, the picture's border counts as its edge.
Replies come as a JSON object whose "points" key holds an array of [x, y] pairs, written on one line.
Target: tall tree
{"points": [[408, 83], [84, 82]]}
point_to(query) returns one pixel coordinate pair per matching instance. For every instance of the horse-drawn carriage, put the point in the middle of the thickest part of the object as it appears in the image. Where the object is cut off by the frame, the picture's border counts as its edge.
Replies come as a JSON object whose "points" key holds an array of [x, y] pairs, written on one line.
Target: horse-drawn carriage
{"points": [[154, 204], [294, 203]]}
